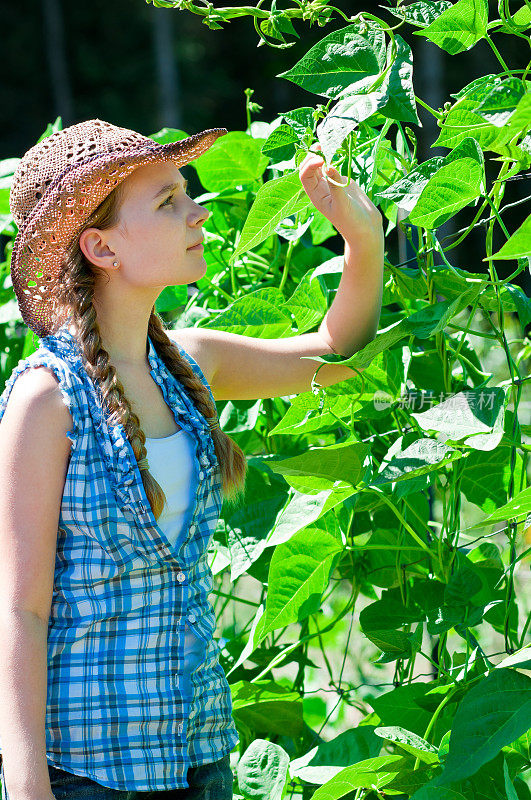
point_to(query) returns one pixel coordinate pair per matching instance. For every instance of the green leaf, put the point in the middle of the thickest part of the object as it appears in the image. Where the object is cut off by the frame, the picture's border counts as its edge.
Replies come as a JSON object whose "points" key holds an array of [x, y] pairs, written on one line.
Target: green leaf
{"points": [[233, 159], [398, 85], [438, 793], [459, 27], [519, 506], [517, 246], [500, 102], [259, 314], [410, 742], [266, 707], [440, 186], [338, 462], [490, 495], [455, 184], [463, 584], [262, 771], [274, 201], [475, 415], [463, 119], [348, 112], [299, 574], [339, 60], [419, 458], [509, 787], [423, 324], [324, 761], [280, 144], [307, 303], [492, 714], [421, 13], [377, 771]]}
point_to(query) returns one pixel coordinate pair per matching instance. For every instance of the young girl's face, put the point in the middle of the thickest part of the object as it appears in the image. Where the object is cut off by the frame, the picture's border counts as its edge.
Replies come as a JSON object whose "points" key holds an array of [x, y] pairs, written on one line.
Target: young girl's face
{"points": [[158, 225]]}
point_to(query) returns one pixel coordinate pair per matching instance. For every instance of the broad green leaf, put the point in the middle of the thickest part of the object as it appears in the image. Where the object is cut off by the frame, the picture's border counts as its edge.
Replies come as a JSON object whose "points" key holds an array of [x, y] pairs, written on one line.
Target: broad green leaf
{"points": [[303, 509], [171, 298], [299, 574], [232, 160], [300, 120], [343, 462], [453, 187], [280, 144], [520, 119], [406, 191], [490, 495], [419, 458], [462, 586], [398, 85], [517, 246], [440, 186], [388, 612], [459, 27], [492, 714], [324, 761], [421, 13], [339, 60], [262, 771], [475, 415], [500, 102], [380, 622], [377, 771], [266, 707], [274, 201], [258, 314], [410, 742], [306, 416], [463, 119], [455, 183], [307, 303], [519, 506], [345, 116]]}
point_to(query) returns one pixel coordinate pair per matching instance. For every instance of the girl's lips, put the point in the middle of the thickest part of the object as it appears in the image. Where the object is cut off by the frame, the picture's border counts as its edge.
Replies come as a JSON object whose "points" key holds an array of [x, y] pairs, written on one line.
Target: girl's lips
{"points": [[196, 247]]}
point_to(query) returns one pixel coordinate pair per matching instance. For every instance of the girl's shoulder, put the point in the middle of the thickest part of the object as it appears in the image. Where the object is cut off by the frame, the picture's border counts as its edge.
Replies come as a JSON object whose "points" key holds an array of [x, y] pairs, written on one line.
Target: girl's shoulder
{"points": [[66, 379]]}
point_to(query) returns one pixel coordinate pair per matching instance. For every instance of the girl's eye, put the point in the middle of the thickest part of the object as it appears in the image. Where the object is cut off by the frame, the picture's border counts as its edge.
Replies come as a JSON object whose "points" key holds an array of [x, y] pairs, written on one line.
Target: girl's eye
{"points": [[168, 198]]}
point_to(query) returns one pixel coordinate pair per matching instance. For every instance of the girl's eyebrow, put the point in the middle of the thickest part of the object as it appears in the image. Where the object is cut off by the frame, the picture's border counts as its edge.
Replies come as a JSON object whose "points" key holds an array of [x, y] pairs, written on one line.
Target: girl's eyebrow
{"points": [[170, 186]]}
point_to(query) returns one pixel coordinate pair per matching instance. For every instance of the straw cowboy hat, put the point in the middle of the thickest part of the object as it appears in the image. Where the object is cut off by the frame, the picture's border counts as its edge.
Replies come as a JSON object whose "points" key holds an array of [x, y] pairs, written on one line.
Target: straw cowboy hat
{"points": [[58, 183]]}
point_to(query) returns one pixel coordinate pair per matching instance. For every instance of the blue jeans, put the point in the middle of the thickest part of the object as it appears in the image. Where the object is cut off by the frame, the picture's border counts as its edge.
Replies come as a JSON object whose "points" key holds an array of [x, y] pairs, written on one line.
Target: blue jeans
{"points": [[206, 782]]}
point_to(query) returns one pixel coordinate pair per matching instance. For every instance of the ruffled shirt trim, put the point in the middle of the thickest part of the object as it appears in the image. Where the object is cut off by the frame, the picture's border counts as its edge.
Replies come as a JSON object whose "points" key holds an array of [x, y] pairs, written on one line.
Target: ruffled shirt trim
{"points": [[117, 452]]}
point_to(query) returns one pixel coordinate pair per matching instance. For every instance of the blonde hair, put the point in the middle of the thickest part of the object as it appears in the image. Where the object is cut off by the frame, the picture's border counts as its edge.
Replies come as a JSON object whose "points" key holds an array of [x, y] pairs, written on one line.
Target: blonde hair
{"points": [[75, 292]]}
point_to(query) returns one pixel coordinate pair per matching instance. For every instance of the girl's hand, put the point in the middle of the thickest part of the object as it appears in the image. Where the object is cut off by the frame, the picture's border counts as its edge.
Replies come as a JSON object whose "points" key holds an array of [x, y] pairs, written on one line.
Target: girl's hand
{"points": [[347, 207]]}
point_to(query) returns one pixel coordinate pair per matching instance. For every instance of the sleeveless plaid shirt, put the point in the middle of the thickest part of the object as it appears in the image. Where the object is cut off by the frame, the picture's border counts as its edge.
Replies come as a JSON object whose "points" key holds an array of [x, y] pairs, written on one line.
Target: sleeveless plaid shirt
{"points": [[116, 708]]}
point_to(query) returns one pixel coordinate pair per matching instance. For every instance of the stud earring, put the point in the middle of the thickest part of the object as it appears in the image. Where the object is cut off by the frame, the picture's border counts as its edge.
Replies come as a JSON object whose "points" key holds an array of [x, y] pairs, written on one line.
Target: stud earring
{"points": [[115, 263]]}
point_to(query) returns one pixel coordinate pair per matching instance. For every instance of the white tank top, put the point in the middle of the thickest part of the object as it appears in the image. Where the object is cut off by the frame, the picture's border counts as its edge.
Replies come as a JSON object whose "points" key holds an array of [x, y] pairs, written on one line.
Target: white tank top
{"points": [[173, 465]]}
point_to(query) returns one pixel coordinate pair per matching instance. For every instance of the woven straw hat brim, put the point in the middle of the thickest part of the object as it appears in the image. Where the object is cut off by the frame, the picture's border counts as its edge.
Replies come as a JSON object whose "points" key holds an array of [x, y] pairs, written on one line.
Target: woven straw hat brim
{"points": [[39, 246]]}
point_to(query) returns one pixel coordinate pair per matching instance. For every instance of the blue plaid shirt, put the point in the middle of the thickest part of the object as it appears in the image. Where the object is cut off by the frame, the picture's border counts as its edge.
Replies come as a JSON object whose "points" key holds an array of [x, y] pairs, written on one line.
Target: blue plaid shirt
{"points": [[116, 708]]}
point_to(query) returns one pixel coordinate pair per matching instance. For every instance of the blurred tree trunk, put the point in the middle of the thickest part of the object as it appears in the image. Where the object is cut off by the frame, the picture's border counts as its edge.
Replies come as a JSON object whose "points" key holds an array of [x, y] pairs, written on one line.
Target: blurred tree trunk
{"points": [[166, 68], [57, 61]]}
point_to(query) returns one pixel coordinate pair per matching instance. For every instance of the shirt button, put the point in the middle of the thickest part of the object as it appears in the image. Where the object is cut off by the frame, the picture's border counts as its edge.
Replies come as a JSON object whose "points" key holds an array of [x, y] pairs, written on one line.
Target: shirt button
{"points": [[180, 727], [191, 617], [181, 577], [201, 475]]}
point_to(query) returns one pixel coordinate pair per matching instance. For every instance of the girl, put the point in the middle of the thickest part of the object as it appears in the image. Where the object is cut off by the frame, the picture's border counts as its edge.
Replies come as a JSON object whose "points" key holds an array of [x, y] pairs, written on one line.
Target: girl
{"points": [[114, 466]]}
